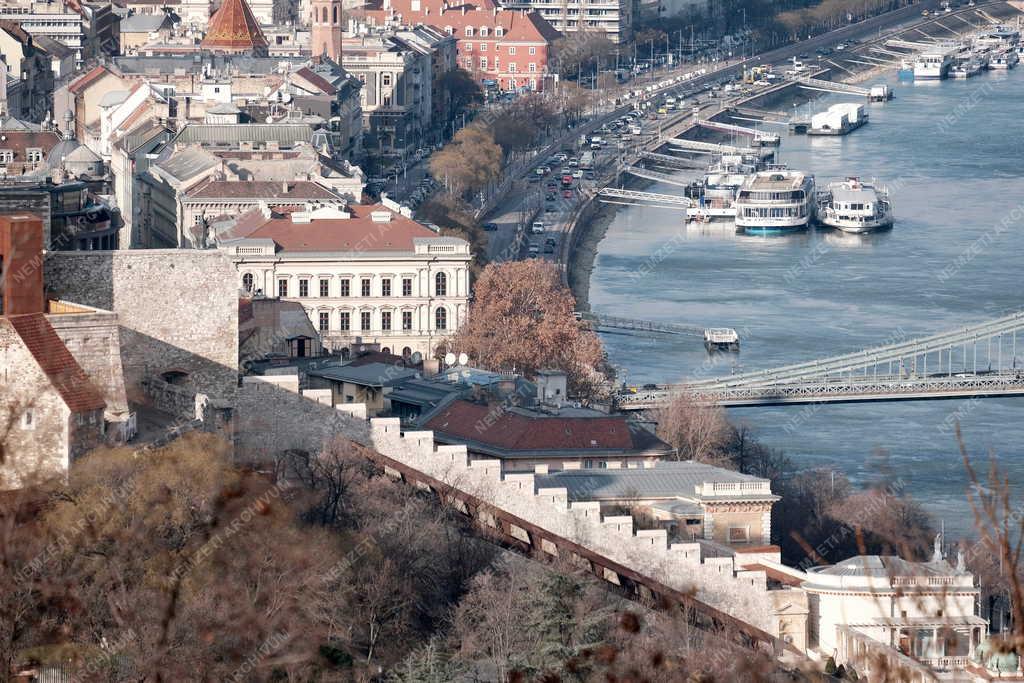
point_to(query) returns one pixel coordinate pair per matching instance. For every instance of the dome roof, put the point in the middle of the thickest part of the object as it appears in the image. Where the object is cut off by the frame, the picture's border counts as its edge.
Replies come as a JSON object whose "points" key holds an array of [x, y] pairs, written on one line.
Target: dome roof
{"points": [[234, 28], [60, 151], [83, 155]]}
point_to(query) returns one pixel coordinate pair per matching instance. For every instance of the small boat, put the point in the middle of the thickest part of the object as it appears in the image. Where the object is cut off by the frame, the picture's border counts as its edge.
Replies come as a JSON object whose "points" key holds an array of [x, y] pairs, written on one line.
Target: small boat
{"points": [[854, 206], [968, 69], [1004, 60], [721, 339]]}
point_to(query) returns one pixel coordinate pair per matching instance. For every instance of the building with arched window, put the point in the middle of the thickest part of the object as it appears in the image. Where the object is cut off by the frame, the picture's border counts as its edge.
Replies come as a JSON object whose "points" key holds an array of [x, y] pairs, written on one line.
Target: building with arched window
{"points": [[366, 275]]}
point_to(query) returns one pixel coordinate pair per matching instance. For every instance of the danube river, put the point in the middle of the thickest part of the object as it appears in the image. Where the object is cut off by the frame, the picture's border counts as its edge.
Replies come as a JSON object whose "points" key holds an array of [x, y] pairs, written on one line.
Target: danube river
{"points": [[952, 153]]}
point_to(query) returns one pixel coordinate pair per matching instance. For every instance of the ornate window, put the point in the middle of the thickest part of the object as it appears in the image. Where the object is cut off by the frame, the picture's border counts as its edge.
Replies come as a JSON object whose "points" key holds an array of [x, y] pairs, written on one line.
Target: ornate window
{"points": [[247, 282], [440, 284], [441, 319]]}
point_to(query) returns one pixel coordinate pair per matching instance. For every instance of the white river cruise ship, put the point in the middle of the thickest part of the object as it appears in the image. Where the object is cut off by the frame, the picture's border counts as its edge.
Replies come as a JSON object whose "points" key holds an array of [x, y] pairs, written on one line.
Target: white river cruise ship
{"points": [[776, 200]]}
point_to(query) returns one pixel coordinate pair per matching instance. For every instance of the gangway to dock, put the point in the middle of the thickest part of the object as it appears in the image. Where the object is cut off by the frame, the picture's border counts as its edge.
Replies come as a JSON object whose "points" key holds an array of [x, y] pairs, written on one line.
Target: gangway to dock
{"points": [[633, 325], [615, 195], [908, 44], [760, 137], [831, 86], [891, 53], [670, 161], [765, 115], [698, 147], [648, 174]]}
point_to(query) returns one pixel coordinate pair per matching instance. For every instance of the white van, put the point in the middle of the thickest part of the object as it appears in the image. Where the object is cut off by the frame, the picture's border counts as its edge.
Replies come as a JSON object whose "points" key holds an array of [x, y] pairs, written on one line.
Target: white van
{"points": [[537, 228]]}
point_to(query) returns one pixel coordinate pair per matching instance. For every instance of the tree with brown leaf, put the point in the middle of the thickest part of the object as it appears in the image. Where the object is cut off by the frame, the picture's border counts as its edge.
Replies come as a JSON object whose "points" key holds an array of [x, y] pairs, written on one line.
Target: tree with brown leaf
{"points": [[521, 319]]}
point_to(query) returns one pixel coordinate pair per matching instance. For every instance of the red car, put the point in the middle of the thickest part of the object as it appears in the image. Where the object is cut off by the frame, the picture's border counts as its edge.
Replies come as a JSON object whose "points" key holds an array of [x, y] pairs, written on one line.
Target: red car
{"points": [[567, 180], [567, 194]]}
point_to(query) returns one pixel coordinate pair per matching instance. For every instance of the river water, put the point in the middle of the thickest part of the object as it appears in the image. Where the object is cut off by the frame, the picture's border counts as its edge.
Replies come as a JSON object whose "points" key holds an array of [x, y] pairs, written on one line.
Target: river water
{"points": [[952, 154]]}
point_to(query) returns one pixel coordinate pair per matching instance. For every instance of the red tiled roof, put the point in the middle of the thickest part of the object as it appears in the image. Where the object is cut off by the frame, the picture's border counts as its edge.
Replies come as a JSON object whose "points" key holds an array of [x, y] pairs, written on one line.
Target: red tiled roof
{"points": [[20, 140], [296, 190], [513, 431], [88, 79], [517, 26], [357, 233], [16, 31], [316, 80], [234, 28], [56, 361]]}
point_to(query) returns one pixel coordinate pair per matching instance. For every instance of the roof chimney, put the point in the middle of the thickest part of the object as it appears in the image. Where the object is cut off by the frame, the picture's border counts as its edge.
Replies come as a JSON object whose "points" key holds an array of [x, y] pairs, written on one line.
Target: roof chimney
{"points": [[463, 10], [21, 261]]}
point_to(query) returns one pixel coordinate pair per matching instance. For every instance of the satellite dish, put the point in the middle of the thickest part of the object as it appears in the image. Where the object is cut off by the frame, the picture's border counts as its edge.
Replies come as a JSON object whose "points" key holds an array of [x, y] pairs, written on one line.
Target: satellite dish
{"points": [[449, 358], [463, 359], [417, 358]]}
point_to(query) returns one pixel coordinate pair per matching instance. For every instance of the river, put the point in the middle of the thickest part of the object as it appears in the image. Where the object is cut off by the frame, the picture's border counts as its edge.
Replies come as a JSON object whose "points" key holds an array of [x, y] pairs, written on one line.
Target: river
{"points": [[952, 154]]}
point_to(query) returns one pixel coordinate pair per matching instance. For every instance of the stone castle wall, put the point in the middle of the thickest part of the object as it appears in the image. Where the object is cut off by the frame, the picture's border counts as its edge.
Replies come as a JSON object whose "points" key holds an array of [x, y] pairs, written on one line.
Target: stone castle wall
{"points": [[177, 311], [273, 415], [94, 339]]}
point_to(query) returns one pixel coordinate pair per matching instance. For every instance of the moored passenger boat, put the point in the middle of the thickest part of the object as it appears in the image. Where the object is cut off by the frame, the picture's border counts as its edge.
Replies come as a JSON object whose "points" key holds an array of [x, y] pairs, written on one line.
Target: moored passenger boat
{"points": [[855, 206], [775, 201]]}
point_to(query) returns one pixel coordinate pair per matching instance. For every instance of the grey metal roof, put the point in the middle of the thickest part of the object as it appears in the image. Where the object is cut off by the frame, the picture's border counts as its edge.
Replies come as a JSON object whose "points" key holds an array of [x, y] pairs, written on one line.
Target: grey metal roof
{"points": [[370, 375], [887, 566], [234, 133], [52, 47], [187, 163], [143, 23], [666, 479], [680, 508], [114, 97], [193, 63], [421, 392], [224, 108]]}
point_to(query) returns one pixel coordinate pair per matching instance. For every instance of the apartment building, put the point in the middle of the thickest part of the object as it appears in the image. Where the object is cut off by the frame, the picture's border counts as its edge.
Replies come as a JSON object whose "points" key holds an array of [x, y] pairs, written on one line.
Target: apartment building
{"points": [[366, 274], [612, 18]]}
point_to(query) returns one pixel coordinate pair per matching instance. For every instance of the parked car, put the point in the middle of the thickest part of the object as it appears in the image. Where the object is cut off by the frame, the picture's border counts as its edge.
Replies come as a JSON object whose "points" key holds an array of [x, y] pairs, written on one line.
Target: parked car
{"points": [[549, 249], [550, 240], [490, 227], [567, 193], [537, 228], [551, 197], [589, 175], [577, 174]]}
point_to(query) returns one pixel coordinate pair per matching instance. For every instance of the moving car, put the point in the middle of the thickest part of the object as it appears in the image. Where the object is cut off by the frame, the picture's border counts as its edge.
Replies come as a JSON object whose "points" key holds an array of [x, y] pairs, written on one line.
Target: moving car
{"points": [[537, 228]]}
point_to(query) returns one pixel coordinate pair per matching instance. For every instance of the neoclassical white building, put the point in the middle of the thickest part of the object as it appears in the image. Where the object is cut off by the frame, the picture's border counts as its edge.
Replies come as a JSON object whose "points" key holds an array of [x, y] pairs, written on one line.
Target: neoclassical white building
{"points": [[365, 275]]}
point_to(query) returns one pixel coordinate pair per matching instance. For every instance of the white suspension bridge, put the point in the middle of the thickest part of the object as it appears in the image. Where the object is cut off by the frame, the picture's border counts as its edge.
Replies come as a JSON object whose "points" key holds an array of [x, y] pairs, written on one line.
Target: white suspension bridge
{"points": [[978, 361]]}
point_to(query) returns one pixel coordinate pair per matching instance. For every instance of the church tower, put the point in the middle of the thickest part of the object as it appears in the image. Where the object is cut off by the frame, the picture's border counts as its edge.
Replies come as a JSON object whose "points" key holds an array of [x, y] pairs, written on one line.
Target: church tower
{"points": [[326, 34]]}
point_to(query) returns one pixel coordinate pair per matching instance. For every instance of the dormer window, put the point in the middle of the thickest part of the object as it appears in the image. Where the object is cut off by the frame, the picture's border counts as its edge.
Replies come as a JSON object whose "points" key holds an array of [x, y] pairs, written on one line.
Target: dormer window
{"points": [[499, 31], [483, 31], [448, 30], [469, 31]]}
